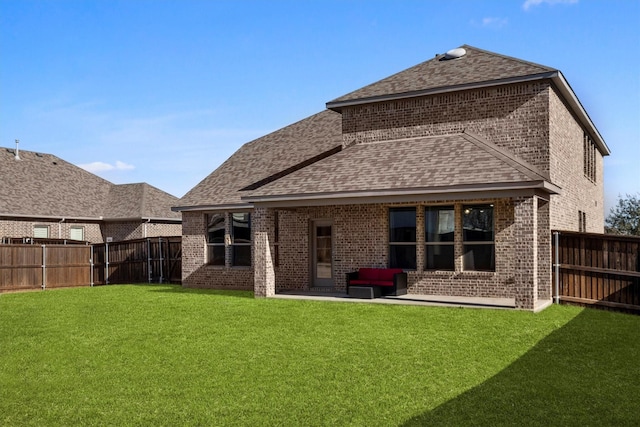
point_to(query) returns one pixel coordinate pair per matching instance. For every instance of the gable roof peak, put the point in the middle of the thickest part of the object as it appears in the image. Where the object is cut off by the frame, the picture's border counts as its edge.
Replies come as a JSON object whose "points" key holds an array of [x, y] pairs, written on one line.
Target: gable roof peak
{"points": [[446, 72]]}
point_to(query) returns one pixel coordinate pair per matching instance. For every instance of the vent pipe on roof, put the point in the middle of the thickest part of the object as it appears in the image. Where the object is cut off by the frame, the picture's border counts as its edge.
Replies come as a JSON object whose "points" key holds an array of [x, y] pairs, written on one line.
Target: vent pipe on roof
{"points": [[17, 150]]}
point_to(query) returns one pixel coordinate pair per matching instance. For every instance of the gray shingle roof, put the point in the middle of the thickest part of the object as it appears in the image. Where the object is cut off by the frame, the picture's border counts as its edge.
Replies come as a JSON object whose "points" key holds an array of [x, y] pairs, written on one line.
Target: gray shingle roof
{"points": [[267, 156], [437, 162], [43, 185], [139, 200], [475, 66]]}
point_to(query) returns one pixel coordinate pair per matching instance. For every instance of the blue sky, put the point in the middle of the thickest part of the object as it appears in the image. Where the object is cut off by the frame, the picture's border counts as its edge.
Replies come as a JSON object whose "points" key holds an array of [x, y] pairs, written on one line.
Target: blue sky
{"points": [[164, 91]]}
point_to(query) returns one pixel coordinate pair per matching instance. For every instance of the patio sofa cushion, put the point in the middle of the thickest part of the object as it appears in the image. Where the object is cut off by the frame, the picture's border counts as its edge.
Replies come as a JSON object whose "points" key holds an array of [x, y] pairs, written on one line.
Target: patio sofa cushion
{"points": [[391, 281]]}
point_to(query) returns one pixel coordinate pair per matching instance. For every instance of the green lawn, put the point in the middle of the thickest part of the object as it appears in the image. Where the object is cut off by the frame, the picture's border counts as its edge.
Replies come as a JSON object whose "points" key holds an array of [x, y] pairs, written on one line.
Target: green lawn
{"points": [[161, 355]]}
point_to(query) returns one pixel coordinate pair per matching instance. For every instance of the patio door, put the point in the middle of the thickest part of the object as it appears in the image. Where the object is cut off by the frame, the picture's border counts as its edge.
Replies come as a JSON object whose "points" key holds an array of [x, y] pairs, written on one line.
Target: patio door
{"points": [[322, 253]]}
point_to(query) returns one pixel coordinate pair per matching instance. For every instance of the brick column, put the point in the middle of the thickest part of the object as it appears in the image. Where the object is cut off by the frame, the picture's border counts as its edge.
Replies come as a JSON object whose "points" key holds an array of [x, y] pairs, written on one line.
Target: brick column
{"points": [[544, 251], [264, 277], [526, 252]]}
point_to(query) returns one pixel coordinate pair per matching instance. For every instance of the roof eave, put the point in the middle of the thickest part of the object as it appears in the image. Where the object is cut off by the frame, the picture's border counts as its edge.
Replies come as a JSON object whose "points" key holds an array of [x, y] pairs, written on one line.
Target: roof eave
{"points": [[221, 207], [542, 188], [555, 76], [140, 218], [338, 105], [570, 97], [50, 217]]}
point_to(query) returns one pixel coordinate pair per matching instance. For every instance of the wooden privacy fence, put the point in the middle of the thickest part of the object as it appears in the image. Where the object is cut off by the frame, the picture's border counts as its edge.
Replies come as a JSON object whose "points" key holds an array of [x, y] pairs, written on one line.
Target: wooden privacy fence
{"points": [[41, 266], [44, 266], [152, 260], [596, 269]]}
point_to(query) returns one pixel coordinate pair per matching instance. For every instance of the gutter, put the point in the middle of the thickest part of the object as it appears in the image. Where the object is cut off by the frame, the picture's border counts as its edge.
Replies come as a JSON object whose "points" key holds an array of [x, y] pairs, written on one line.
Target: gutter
{"points": [[52, 217], [79, 218], [147, 219], [541, 188], [225, 207]]}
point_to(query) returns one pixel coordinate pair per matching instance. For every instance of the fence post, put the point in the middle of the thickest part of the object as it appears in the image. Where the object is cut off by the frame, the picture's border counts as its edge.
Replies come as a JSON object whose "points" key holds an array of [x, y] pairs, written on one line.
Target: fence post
{"points": [[149, 265], [161, 259], [44, 267], [556, 236], [91, 266], [106, 263]]}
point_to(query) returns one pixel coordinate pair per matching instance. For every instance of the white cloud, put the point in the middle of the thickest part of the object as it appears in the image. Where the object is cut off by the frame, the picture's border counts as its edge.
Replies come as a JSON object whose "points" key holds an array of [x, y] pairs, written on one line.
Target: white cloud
{"points": [[96, 167], [529, 3], [492, 22]]}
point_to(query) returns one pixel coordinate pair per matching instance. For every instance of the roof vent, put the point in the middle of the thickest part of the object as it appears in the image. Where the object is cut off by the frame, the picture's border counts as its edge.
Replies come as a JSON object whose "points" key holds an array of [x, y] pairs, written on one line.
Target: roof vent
{"points": [[17, 150], [455, 53]]}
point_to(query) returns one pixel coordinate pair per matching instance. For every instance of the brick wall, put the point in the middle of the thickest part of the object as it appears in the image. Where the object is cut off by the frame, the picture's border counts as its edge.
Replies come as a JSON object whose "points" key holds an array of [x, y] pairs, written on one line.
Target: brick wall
{"points": [[511, 116], [57, 229], [195, 272], [361, 240], [579, 193], [129, 230]]}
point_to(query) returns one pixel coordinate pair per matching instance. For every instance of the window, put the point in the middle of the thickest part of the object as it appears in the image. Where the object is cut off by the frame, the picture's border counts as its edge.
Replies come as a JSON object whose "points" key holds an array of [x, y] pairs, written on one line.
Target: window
{"points": [[478, 238], [41, 231], [241, 239], [76, 233], [582, 221], [439, 226], [276, 238], [215, 238], [402, 238], [589, 158]]}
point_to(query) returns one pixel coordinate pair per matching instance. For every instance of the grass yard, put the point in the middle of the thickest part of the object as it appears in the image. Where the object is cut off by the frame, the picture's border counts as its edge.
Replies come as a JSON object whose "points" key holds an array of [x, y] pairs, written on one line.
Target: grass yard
{"points": [[163, 355]]}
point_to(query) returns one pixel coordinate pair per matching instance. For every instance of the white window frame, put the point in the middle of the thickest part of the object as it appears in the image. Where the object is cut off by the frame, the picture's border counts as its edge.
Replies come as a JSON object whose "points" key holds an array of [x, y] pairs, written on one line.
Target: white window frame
{"points": [[38, 230]]}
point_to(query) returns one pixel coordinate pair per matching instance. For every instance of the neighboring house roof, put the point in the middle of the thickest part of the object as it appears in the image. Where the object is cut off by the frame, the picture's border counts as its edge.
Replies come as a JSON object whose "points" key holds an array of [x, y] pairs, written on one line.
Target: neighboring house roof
{"points": [[425, 165], [45, 186], [139, 200], [266, 158]]}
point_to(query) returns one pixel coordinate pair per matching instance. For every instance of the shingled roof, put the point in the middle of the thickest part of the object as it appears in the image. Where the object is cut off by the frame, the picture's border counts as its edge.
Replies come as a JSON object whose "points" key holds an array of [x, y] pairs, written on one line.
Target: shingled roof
{"points": [[474, 67], [305, 161], [438, 164], [266, 158], [139, 200], [43, 185]]}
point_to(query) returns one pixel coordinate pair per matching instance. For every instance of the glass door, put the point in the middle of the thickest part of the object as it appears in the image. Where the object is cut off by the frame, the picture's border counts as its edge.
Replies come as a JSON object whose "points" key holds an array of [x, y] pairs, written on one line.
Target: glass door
{"points": [[322, 253]]}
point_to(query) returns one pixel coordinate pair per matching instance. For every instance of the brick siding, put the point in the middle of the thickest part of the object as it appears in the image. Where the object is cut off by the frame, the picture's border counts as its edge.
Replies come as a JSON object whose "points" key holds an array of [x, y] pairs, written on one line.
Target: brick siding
{"points": [[527, 119], [195, 272], [57, 230], [95, 232], [512, 116], [579, 193]]}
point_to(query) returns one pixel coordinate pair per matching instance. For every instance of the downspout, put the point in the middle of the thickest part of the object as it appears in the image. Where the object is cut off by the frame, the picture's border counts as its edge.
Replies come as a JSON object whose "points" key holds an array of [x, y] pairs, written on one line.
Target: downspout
{"points": [[145, 228], [60, 228], [556, 236]]}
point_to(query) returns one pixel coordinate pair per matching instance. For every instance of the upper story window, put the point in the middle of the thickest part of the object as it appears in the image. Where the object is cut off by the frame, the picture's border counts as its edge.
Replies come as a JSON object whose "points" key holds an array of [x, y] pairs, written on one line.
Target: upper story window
{"points": [[478, 238], [402, 238], [582, 221], [76, 233], [589, 158], [439, 226], [41, 231]]}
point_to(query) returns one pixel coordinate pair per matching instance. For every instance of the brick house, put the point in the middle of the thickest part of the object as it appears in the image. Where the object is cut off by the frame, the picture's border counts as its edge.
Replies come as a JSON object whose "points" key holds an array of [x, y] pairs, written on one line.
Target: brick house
{"points": [[456, 170], [44, 196]]}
